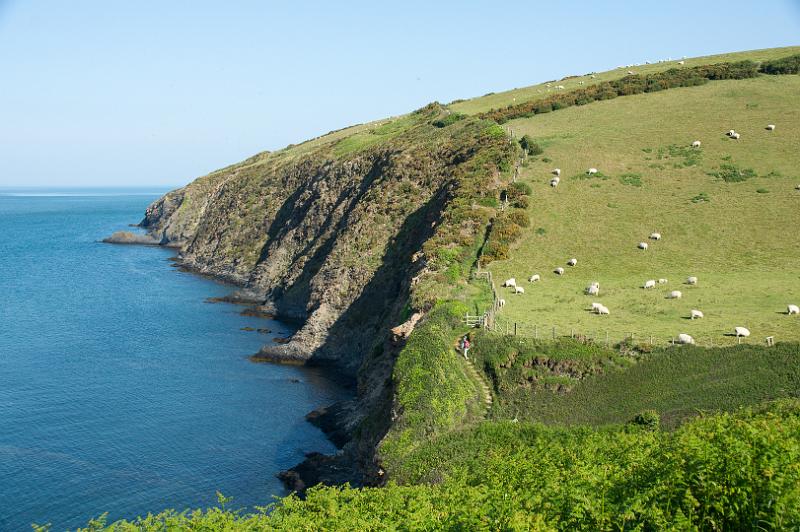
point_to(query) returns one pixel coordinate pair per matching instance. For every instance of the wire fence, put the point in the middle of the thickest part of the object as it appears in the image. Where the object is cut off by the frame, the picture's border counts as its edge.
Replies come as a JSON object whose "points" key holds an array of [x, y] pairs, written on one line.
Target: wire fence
{"points": [[492, 320]]}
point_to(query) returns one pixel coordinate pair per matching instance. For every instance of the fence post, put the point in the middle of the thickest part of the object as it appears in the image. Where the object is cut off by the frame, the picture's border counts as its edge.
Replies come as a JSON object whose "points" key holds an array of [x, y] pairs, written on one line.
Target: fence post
{"points": [[515, 328]]}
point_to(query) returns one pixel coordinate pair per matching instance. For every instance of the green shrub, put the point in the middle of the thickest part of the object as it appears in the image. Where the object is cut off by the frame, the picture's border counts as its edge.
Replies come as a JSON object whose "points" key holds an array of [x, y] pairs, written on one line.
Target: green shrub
{"points": [[701, 198], [541, 231], [521, 202], [730, 173], [518, 188], [634, 180], [649, 419], [762, 191], [530, 146], [452, 118], [785, 65]]}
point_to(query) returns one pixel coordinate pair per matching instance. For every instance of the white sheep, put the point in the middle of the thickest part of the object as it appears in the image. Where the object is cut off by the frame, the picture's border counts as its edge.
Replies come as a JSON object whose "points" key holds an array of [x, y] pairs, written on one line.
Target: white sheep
{"points": [[696, 314], [681, 62], [595, 283], [630, 72], [501, 302], [519, 290], [685, 339], [591, 171], [797, 187], [792, 309], [534, 278], [655, 236], [691, 280], [649, 284], [662, 281], [741, 331], [556, 172], [559, 86], [572, 262], [593, 290], [554, 182], [770, 127], [510, 283], [593, 76], [735, 136], [675, 294], [603, 310], [731, 132], [559, 271], [643, 245], [596, 306], [696, 144]]}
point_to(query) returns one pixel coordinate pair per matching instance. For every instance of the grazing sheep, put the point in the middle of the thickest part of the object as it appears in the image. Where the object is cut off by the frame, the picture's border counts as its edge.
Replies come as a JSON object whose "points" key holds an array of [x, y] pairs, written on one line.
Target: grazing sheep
{"points": [[602, 309], [691, 280], [797, 187], [559, 86], [630, 72], [556, 172], [662, 281], [501, 302], [675, 294], [595, 283], [511, 283], [771, 127], [696, 314], [655, 236], [596, 306], [554, 182], [741, 331], [735, 136], [519, 290], [682, 63], [534, 278], [593, 290], [559, 271], [730, 133], [572, 262], [685, 339], [593, 76], [792, 309], [649, 284], [696, 144], [591, 171], [643, 245]]}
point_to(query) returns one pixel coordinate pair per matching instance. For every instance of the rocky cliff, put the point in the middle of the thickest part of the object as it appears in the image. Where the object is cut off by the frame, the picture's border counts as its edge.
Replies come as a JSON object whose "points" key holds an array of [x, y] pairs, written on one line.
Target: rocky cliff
{"points": [[335, 231]]}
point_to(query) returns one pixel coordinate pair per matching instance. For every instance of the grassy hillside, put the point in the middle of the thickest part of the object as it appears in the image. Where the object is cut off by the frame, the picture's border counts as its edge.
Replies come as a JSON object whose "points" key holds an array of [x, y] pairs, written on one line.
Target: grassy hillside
{"points": [[737, 237], [517, 96]]}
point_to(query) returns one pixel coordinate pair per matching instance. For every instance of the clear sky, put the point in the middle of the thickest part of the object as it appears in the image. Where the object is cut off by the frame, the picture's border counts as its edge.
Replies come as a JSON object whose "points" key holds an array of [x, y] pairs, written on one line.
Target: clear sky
{"points": [[152, 92]]}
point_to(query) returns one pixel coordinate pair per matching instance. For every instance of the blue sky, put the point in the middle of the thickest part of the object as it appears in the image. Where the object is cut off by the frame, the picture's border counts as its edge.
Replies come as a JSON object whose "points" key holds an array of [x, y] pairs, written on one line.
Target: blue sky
{"points": [[116, 93]]}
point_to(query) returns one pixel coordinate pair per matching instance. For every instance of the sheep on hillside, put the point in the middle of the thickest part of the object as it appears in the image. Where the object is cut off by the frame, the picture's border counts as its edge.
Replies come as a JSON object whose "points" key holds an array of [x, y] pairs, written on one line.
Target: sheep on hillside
{"points": [[662, 281], [643, 245], [792, 309], [519, 290], [741, 331], [556, 172], [572, 262], [649, 284], [731, 132], [655, 236], [685, 339], [501, 302], [691, 280], [591, 171], [554, 182], [696, 314], [675, 294], [696, 144], [534, 278], [681, 62], [596, 306], [735, 136], [510, 283], [559, 271], [602, 309], [771, 127], [592, 290]]}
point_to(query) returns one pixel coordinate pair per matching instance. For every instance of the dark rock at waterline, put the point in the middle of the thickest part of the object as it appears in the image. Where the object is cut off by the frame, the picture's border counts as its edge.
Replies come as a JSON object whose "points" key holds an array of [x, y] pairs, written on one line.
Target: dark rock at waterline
{"points": [[319, 469], [332, 420], [127, 237], [258, 313], [278, 340]]}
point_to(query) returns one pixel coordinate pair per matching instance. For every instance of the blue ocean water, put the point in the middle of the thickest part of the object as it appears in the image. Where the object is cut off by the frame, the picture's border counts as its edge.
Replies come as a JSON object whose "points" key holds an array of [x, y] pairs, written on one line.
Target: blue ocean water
{"points": [[121, 389]]}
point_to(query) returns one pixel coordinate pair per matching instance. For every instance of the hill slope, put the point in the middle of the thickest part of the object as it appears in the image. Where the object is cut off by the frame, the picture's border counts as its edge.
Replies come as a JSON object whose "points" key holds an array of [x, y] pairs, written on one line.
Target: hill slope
{"points": [[736, 237]]}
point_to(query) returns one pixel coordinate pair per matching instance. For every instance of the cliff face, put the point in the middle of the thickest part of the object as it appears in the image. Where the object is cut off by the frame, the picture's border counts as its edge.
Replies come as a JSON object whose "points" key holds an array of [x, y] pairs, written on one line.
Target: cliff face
{"points": [[334, 230]]}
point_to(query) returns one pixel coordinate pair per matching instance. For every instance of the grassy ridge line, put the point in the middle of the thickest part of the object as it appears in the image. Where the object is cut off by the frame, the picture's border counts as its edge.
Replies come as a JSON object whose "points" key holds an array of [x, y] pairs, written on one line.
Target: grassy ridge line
{"points": [[502, 99], [724, 472]]}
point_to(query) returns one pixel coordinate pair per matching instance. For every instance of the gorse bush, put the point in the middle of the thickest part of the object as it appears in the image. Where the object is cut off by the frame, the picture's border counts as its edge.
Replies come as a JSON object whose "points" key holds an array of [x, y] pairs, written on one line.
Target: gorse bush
{"points": [[785, 65], [730, 173], [530, 146], [632, 84]]}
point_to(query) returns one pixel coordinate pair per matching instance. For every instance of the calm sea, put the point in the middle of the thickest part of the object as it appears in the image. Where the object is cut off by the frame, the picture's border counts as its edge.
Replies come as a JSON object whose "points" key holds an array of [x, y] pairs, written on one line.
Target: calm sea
{"points": [[121, 389]]}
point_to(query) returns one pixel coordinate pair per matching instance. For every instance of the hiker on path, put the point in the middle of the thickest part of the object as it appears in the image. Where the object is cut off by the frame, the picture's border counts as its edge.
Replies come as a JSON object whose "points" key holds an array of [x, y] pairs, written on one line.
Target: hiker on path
{"points": [[465, 346]]}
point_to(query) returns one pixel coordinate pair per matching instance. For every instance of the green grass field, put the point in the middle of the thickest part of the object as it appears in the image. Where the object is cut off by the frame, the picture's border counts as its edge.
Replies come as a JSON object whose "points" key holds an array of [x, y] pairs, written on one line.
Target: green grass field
{"points": [[743, 242], [517, 96]]}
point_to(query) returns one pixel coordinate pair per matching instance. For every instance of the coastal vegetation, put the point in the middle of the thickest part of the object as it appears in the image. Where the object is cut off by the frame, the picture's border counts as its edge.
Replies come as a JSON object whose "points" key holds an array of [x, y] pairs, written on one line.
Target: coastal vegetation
{"points": [[580, 434]]}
